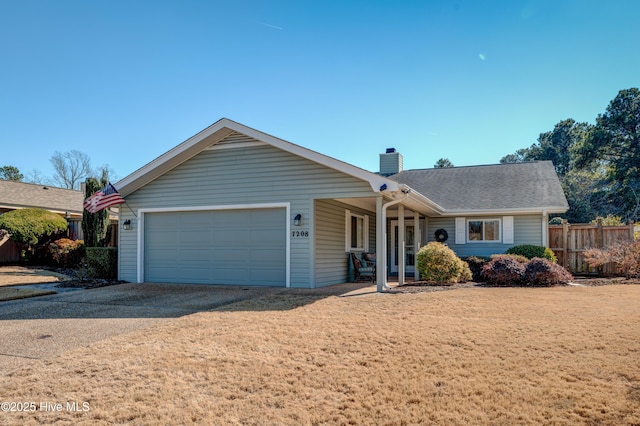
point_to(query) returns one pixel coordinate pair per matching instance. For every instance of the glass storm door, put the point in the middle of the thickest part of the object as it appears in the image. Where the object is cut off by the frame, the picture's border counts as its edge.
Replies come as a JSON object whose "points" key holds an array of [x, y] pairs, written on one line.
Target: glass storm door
{"points": [[409, 250]]}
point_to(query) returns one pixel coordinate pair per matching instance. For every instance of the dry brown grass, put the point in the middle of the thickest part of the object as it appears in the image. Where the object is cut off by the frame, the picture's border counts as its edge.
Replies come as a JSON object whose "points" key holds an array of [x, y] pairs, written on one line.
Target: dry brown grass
{"points": [[501, 356], [12, 293]]}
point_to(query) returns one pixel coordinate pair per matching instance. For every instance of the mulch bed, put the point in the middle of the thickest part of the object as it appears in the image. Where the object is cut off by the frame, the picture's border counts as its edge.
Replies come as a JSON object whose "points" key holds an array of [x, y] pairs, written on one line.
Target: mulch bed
{"points": [[74, 282], [426, 286]]}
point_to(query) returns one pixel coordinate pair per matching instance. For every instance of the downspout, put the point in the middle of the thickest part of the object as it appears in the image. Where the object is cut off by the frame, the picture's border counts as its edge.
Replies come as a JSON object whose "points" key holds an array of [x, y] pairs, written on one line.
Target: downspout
{"points": [[382, 260]]}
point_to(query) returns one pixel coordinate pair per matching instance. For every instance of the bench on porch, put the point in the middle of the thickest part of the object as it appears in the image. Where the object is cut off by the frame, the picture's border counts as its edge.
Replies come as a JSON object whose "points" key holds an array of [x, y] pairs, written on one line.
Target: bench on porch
{"points": [[364, 266]]}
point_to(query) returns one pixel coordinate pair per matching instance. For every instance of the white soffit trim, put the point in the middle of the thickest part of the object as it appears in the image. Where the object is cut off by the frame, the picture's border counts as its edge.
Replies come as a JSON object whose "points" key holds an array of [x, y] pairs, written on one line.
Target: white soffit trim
{"points": [[536, 211]]}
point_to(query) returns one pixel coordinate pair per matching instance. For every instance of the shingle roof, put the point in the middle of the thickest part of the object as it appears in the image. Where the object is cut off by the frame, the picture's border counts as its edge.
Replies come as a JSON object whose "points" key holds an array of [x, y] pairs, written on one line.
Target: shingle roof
{"points": [[16, 195], [532, 185]]}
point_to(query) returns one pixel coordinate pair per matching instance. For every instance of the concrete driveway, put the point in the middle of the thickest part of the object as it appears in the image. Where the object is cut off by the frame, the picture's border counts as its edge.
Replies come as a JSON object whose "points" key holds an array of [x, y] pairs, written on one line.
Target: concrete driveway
{"points": [[46, 326]]}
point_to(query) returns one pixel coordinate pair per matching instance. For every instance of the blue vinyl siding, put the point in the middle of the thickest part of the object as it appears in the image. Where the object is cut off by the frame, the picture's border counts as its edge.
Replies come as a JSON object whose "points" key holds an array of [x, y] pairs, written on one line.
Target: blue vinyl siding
{"points": [[527, 230], [330, 255], [252, 173]]}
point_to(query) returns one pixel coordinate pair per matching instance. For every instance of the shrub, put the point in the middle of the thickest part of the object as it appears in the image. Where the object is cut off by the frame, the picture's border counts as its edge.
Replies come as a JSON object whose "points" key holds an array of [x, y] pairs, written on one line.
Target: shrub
{"points": [[66, 252], [475, 265], [542, 273], [626, 256], [503, 271], [102, 262], [608, 220], [438, 263], [517, 257], [530, 251], [29, 226]]}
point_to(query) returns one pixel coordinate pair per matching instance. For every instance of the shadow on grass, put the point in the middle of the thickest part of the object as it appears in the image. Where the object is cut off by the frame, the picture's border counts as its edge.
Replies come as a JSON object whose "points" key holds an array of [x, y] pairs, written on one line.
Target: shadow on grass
{"points": [[149, 300]]}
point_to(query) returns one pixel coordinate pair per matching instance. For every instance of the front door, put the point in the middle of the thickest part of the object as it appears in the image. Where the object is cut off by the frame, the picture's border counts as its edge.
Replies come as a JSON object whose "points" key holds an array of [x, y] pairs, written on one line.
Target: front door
{"points": [[409, 249]]}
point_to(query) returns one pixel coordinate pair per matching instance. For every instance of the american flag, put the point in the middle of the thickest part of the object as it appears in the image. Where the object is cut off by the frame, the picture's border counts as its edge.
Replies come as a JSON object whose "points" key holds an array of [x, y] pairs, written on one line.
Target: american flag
{"points": [[107, 196]]}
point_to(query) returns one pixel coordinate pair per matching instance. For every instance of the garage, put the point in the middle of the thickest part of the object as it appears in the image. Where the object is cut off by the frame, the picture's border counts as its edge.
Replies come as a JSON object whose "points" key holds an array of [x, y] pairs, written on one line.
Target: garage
{"points": [[228, 247]]}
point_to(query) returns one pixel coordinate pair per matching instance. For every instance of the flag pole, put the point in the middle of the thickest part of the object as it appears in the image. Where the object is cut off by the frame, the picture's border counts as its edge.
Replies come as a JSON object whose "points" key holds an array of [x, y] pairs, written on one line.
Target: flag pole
{"points": [[134, 213]]}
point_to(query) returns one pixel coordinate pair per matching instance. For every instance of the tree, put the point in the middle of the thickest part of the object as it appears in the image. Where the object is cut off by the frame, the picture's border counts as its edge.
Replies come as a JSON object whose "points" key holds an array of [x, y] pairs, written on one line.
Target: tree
{"points": [[555, 146], [28, 227], [520, 156], [70, 168], [35, 176], [95, 225], [11, 173], [443, 163], [558, 144], [614, 143]]}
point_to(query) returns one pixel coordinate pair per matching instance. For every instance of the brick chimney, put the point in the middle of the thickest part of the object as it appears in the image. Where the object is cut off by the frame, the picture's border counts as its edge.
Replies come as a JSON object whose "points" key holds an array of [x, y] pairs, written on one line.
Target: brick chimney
{"points": [[390, 162]]}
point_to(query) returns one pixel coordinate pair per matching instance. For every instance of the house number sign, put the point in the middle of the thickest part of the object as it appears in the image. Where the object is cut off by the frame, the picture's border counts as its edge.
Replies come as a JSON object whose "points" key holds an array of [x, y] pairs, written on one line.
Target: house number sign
{"points": [[299, 234]]}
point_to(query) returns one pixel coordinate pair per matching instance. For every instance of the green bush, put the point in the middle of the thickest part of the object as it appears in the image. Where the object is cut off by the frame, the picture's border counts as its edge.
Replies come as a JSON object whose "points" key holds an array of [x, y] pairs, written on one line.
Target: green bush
{"points": [[30, 226], [102, 262], [503, 271], [530, 251], [66, 252], [475, 265], [543, 273], [556, 221], [517, 257], [438, 263]]}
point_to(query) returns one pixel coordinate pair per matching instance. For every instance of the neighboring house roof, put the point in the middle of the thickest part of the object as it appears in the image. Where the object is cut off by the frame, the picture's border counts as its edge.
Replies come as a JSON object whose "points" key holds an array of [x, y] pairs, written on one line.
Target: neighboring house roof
{"points": [[517, 187], [19, 195]]}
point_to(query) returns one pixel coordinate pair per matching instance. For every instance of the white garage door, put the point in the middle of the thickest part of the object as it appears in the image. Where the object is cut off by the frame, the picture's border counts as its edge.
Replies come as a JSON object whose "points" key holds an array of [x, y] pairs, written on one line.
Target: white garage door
{"points": [[232, 247]]}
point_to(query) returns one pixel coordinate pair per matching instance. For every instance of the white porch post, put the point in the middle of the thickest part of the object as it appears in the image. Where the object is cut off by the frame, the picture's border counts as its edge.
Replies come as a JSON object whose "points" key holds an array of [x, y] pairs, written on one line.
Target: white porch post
{"points": [[401, 245], [381, 255], [545, 229], [416, 244]]}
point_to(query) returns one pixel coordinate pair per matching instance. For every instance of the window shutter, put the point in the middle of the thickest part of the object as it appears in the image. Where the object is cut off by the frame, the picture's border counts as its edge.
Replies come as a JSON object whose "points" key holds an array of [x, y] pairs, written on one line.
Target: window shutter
{"points": [[461, 230], [507, 230]]}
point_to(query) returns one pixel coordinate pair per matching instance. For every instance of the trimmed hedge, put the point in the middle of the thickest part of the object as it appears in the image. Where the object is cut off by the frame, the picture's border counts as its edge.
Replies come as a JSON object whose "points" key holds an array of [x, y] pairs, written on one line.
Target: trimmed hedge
{"points": [[503, 271], [515, 270], [438, 263], [475, 265], [543, 273], [530, 251], [33, 225], [102, 262], [66, 252]]}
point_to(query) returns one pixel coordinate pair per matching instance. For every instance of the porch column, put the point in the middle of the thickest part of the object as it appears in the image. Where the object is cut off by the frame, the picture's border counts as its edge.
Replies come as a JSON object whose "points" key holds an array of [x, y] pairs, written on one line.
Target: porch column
{"points": [[381, 253], [545, 229], [401, 245], [416, 244]]}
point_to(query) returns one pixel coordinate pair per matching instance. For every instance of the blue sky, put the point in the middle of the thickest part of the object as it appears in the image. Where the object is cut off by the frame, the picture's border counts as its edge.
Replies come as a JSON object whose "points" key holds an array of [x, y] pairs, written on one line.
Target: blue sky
{"points": [[471, 81]]}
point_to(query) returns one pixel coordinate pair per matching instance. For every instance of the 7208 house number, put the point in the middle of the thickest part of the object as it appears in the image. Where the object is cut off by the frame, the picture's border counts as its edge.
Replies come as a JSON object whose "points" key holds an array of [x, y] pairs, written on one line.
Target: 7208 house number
{"points": [[299, 234]]}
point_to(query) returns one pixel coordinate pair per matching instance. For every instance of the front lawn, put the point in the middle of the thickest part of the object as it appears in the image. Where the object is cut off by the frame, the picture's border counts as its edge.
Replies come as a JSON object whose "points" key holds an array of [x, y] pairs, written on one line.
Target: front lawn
{"points": [[502, 356]]}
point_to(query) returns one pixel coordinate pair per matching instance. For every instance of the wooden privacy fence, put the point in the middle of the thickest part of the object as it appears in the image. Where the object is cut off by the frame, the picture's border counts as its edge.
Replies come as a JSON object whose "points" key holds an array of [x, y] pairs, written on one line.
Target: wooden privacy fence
{"points": [[569, 241]]}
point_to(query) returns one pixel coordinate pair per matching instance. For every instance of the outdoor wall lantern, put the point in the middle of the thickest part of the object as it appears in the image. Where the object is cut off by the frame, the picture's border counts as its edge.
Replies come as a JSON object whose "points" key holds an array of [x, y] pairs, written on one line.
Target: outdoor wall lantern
{"points": [[126, 225], [297, 221]]}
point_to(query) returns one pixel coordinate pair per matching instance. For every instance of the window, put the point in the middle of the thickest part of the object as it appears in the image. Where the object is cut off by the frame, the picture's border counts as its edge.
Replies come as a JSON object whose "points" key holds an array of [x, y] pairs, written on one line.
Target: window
{"points": [[356, 232], [483, 230]]}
